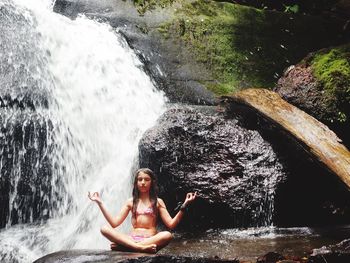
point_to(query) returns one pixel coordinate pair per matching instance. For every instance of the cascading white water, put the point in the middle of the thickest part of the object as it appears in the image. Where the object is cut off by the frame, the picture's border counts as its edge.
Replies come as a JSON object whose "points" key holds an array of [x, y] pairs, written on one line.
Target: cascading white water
{"points": [[100, 104]]}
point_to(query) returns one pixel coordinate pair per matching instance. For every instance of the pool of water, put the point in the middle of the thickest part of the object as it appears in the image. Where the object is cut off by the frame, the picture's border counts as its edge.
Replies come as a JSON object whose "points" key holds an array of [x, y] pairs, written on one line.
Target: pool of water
{"points": [[249, 244]]}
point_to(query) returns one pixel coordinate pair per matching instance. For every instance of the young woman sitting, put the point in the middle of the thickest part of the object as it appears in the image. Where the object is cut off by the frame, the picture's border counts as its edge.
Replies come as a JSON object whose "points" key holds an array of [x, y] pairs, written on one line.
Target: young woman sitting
{"points": [[145, 207]]}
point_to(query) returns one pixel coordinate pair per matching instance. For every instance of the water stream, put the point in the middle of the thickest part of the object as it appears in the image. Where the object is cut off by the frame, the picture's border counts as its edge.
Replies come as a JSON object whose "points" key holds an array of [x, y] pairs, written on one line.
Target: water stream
{"points": [[75, 104]]}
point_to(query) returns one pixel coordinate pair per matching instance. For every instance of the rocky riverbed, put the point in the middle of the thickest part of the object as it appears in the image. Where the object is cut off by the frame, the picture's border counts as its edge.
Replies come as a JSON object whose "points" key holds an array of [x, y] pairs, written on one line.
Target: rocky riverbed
{"points": [[229, 245]]}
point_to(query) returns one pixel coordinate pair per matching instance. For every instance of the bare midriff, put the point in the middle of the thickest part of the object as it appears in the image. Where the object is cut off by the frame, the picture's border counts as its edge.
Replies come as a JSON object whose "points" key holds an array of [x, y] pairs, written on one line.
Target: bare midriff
{"points": [[145, 232], [145, 225]]}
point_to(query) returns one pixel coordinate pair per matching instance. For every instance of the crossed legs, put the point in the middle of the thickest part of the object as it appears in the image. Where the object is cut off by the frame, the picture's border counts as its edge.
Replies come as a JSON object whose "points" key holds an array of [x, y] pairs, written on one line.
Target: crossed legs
{"points": [[148, 245]]}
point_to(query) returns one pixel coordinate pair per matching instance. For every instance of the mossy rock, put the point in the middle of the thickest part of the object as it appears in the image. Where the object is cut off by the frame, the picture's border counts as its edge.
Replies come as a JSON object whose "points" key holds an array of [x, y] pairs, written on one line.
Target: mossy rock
{"points": [[332, 70], [320, 85], [244, 46], [145, 5]]}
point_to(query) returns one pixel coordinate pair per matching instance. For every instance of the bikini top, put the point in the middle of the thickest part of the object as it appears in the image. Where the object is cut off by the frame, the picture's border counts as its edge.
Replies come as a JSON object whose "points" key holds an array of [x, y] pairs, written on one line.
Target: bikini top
{"points": [[148, 211]]}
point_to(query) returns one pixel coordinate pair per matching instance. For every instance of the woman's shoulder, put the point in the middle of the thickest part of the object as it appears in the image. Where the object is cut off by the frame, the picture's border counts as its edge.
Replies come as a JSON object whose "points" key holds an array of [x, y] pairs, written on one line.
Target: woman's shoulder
{"points": [[160, 202], [129, 202]]}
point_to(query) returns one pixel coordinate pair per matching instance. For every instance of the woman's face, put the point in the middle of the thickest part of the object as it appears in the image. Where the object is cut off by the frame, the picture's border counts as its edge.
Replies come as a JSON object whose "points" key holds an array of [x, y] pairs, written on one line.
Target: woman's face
{"points": [[144, 182]]}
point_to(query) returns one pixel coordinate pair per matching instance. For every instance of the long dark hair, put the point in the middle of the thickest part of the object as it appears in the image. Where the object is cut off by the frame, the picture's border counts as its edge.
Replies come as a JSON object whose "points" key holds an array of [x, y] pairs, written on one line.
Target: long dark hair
{"points": [[153, 191]]}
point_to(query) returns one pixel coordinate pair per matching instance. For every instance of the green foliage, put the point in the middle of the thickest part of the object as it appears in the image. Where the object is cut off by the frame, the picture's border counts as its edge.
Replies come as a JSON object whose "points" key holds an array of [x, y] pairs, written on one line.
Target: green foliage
{"points": [[144, 5], [291, 8], [332, 69]]}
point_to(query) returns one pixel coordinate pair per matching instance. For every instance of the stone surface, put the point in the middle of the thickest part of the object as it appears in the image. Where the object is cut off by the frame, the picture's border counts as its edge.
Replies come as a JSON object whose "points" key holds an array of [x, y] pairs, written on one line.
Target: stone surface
{"points": [[73, 256], [233, 169], [339, 253], [319, 86], [24, 77], [271, 257]]}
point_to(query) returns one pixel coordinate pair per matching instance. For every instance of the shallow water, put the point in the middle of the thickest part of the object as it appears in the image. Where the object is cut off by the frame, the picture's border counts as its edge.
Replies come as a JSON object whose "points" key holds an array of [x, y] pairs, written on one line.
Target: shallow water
{"points": [[249, 244]]}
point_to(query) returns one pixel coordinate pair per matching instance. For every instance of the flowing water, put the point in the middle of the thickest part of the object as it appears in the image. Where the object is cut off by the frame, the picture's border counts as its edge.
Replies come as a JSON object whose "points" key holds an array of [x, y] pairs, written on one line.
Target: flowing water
{"points": [[251, 243], [75, 103]]}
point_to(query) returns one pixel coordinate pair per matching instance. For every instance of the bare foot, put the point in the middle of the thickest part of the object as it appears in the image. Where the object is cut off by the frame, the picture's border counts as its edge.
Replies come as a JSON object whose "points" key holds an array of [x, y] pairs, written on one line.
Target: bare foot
{"points": [[114, 246], [149, 248], [118, 247]]}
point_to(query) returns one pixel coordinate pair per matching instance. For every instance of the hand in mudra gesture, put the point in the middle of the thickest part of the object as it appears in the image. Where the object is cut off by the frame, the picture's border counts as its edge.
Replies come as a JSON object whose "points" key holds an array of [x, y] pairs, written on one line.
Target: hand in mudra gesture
{"points": [[95, 197], [190, 198]]}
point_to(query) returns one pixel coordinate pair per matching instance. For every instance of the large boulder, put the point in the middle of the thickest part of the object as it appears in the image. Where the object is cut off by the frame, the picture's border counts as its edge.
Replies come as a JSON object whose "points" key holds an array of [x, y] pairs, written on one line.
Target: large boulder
{"points": [[247, 171], [233, 169], [320, 85]]}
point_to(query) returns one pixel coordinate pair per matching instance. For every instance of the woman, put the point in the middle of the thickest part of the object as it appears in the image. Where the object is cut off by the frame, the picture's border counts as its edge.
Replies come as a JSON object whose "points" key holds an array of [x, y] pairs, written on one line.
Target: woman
{"points": [[145, 207]]}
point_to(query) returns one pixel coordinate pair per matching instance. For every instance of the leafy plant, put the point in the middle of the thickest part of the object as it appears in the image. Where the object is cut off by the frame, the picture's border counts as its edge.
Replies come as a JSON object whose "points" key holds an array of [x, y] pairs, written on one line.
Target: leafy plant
{"points": [[291, 8]]}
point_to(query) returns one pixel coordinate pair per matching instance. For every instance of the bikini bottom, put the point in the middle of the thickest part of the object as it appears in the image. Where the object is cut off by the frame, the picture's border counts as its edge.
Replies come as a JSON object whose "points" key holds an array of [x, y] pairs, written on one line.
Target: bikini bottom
{"points": [[138, 238]]}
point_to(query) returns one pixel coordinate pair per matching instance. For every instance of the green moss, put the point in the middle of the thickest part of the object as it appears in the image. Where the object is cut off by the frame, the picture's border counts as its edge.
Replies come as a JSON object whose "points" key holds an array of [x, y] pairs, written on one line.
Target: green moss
{"points": [[214, 32], [332, 69], [242, 46], [144, 5], [221, 88]]}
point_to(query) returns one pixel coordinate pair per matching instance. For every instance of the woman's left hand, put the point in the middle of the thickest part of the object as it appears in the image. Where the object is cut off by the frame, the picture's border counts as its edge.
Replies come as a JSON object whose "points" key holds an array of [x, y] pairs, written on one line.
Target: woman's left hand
{"points": [[190, 198]]}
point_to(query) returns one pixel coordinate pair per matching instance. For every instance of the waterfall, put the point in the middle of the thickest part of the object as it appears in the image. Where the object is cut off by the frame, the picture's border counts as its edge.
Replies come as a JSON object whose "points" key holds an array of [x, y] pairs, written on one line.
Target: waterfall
{"points": [[74, 104]]}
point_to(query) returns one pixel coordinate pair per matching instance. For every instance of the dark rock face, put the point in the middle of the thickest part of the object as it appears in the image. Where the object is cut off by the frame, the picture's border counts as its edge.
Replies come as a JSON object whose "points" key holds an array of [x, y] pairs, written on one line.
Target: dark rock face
{"points": [[25, 176], [339, 253], [121, 257], [233, 169]]}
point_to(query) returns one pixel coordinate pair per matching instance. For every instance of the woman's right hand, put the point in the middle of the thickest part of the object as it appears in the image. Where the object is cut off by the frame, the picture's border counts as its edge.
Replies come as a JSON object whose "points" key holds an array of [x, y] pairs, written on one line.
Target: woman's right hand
{"points": [[95, 197]]}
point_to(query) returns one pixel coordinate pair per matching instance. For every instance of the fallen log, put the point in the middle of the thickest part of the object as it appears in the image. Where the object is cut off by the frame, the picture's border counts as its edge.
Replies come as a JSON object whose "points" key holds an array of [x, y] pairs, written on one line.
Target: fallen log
{"points": [[322, 143]]}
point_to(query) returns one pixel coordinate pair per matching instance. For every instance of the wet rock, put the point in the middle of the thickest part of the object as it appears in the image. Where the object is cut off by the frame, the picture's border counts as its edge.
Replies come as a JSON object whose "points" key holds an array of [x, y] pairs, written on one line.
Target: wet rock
{"points": [[121, 257], [233, 169], [271, 257], [25, 177], [339, 253], [25, 80], [319, 86]]}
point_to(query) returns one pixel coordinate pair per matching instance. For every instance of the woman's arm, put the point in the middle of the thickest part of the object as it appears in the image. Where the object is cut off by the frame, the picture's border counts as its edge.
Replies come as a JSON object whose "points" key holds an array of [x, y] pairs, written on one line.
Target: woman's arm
{"points": [[118, 219], [164, 214]]}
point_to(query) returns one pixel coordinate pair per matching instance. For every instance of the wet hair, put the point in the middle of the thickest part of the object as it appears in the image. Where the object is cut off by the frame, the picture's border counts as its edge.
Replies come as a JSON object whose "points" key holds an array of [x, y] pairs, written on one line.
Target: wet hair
{"points": [[153, 191]]}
